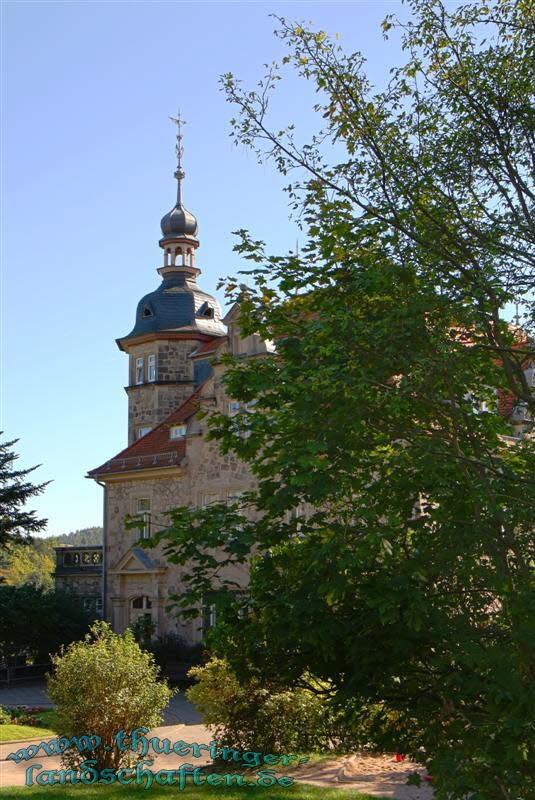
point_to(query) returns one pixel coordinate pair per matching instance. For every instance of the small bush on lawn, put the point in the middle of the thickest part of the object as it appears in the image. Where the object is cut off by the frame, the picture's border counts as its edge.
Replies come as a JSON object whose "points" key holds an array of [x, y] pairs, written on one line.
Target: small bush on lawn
{"points": [[101, 685], [20, 715], [268, 719]]}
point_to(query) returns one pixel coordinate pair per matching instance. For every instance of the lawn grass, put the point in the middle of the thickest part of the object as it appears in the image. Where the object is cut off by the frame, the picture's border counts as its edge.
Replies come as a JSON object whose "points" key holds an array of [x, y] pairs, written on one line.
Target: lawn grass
{"points": [[296, 792], [48, 727]]}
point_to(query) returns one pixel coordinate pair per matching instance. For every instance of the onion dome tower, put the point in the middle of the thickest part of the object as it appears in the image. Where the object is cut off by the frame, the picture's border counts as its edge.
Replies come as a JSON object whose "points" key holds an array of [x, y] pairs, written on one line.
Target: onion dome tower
{"points": [[171, 321]]}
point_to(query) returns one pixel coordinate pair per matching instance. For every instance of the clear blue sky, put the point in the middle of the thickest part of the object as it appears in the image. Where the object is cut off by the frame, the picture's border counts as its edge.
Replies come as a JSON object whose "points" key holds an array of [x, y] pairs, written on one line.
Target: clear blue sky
{"points": [[88, 160]]}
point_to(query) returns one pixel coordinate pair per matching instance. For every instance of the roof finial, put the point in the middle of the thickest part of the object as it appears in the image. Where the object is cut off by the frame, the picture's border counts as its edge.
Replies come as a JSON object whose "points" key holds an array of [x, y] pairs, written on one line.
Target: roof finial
{"points": [[179, 150]]}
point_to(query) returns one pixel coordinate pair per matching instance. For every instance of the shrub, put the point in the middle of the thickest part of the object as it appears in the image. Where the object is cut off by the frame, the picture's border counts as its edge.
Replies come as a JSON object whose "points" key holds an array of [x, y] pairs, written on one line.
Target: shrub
{"points": [[143, 629], [268, 719], [5, 716], [101, 685], [171, 647]]}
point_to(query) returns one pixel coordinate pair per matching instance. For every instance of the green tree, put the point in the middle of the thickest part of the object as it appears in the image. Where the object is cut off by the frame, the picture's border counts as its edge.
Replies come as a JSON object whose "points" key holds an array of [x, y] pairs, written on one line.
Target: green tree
{"points": [[408, 585], [16, 525], [28, 563], [36, 623], [102, 685]]}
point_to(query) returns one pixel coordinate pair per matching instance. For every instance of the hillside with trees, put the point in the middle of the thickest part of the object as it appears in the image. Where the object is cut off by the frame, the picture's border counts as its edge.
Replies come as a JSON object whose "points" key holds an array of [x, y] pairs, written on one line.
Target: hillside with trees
{"points": [[34, 563]]}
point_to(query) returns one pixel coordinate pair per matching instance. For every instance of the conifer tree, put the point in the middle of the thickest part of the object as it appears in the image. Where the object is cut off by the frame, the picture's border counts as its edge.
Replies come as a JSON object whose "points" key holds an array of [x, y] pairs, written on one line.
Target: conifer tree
{"points": [[16, 524]]}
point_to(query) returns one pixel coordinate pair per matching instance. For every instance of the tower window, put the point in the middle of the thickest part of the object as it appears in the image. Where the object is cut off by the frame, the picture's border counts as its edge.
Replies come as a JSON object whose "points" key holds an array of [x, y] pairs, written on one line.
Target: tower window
{"points": [[177, 431], [140, 372], [151, 368]]}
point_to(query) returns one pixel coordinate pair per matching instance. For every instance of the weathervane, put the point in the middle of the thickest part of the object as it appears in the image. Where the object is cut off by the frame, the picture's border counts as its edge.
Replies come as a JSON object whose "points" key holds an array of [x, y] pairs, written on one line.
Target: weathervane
{"points": [[179, 150]]}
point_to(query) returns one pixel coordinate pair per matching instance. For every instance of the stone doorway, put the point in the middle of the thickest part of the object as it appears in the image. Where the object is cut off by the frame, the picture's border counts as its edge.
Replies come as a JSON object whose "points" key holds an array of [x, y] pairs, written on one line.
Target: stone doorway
{"points": [[140, 606]]}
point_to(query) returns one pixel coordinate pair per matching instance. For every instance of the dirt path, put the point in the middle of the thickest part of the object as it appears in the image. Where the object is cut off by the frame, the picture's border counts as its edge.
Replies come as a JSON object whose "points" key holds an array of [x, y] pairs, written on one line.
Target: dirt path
{"points": [[376, 775]]}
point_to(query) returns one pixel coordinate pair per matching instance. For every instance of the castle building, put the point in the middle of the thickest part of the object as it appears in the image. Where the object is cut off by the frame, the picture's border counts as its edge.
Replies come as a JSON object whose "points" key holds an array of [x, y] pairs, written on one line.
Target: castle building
{"points": [[177, 335]]}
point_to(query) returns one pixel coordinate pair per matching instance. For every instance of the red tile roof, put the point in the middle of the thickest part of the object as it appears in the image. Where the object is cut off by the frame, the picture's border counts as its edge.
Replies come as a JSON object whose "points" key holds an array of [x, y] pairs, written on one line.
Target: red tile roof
{"points": [[156, 448], [208, 347]]}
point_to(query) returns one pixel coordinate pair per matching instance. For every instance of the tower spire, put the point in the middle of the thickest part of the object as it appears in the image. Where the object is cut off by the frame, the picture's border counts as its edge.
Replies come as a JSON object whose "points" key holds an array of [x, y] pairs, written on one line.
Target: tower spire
{"points": [[179, 150]]}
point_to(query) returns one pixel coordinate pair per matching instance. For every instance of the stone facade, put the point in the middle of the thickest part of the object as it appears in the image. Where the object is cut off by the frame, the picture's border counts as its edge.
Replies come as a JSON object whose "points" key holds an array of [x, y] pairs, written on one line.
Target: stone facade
{"points": [[150, 402], [203, 476]]}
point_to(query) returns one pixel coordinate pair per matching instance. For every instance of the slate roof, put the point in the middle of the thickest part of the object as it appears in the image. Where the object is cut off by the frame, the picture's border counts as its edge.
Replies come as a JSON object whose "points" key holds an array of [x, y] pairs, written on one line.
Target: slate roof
{"points": [[174, 305], [156, 448], [144, 557]]}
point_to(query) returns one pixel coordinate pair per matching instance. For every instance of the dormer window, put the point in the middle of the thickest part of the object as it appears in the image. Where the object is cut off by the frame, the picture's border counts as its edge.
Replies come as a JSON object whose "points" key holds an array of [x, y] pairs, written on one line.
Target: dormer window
{"points": [[177, 431], [206, 311], [143, 431], [140, 371], [151, 368], [146, 312]]}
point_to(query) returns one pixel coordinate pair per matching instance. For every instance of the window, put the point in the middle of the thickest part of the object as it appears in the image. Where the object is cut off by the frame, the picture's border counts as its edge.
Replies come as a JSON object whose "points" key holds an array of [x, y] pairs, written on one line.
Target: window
{"points": [[143, 508], [233, 408], [71, 559], [209, 612], [151, 368], [235, 498], [141, 602], [143, 431], [249, 408], [98, 604], [177, 431], [139, 371], [209, 499]]}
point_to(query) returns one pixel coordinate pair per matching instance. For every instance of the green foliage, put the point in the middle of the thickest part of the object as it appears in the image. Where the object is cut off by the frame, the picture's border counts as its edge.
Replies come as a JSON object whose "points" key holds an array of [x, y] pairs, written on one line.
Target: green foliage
{"points": [[16, 525], [5, 716], [104, 684], [391, 333], [170, 648], [36, 622], [143, 629], [266, 718], [32, 563]]}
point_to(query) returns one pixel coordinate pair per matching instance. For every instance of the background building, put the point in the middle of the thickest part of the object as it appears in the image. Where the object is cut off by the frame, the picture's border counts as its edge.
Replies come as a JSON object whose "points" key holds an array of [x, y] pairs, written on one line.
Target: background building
{"points": [[79, 569]]}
